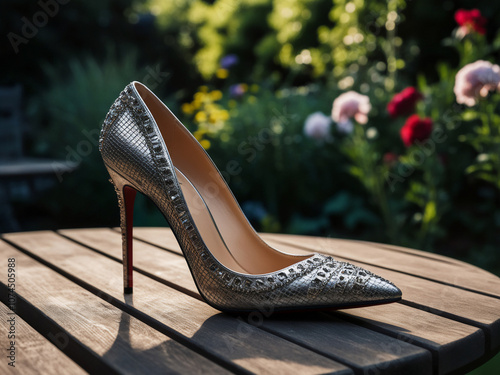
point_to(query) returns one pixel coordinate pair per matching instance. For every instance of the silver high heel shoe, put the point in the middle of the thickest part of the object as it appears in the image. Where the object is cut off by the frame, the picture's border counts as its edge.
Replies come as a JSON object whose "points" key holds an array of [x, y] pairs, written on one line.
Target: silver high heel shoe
{"points": [[146, 149]]}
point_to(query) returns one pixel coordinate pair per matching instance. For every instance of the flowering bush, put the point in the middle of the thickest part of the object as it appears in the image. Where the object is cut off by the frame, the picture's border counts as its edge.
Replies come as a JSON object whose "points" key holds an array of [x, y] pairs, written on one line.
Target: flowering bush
{"points": [[408, 145], [209, 116]]}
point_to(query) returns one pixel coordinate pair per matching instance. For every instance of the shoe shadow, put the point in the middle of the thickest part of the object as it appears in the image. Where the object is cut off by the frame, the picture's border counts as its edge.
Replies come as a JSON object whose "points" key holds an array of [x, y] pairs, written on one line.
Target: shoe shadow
{"points": [[145, 353], [243, 340], [336, 316]]}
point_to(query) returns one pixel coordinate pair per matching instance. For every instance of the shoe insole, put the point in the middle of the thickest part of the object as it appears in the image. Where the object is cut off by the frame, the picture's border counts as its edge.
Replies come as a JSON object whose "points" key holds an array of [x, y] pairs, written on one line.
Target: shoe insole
{"points": [[206, 225]]}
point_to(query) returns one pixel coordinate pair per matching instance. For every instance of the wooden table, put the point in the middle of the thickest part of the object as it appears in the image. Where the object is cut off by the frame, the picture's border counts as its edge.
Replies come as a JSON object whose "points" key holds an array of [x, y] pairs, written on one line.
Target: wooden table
{"points": [[72, 315]]}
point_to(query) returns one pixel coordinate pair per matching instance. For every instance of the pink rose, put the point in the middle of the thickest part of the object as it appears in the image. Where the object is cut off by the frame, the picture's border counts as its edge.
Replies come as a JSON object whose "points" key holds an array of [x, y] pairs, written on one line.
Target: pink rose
{"points": [[351, 105], [475, 80]]}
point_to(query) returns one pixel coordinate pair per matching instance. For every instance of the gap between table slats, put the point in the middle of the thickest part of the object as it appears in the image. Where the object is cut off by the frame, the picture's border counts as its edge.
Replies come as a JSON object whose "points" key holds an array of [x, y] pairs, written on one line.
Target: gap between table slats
{"points": [[56, 305], [34, 353], [189, 310], [146, 235], [474, 334]]}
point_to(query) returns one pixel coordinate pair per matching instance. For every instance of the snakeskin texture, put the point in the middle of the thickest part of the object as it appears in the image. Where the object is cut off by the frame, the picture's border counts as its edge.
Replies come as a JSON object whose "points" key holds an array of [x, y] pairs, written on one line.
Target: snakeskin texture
{"points": [[132, 147]]}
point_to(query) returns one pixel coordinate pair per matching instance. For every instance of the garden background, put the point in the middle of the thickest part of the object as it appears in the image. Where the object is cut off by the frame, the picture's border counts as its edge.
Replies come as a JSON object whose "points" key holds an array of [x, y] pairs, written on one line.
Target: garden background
{"points": [[410, 162]]}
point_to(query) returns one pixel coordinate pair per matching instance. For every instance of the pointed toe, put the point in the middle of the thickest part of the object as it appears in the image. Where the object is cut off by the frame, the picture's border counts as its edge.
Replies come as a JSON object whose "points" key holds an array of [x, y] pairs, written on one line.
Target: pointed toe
{"points": [[380, 290], [395, 292], [343, 285]]}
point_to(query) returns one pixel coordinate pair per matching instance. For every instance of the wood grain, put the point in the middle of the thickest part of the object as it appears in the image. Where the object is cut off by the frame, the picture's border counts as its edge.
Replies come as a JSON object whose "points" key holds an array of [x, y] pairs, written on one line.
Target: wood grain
{"points": [[157, 235], [440, 327], [231, 339], [160, 237], [365, 350], [453, 302], [444, 337], [152, 260], [34, 353], [453, 344], [121, 342]]}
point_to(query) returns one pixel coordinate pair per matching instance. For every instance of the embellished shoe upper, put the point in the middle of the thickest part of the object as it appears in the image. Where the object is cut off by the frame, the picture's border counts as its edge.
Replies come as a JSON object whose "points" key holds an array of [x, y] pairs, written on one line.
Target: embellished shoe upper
{"points": [[132, 146]]}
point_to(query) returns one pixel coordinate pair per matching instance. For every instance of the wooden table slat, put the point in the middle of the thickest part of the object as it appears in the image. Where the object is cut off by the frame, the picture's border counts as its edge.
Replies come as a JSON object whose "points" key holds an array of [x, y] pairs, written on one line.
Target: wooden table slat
{"points": [[437, 326], [424, 327], [452, 343], [455, 303], [34, 354], [231, 339], [443, 324], [365, 350], [123, 343]]}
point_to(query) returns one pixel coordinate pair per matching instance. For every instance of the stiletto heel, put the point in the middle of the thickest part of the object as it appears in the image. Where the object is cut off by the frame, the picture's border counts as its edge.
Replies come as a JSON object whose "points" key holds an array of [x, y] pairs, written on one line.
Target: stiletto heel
{"points": [[147, 149], [126, 199]]}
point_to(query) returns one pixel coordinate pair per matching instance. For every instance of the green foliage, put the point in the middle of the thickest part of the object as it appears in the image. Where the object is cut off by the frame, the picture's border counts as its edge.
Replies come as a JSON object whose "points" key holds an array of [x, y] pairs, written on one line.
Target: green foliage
{"points": [[262, 137], [212, 30], [304, 38], [76, 102], [418, 199], [295, 58]]}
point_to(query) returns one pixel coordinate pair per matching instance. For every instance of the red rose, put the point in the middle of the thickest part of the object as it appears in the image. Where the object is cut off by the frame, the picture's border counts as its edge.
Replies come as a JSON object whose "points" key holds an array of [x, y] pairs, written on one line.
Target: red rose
{"points": [[416, 129], [471, 20], [404, 103]]}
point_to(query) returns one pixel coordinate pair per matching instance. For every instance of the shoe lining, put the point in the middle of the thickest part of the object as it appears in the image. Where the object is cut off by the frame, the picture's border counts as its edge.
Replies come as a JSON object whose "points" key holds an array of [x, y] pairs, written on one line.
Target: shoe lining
{"points": [[205, 222], [224, 226]]}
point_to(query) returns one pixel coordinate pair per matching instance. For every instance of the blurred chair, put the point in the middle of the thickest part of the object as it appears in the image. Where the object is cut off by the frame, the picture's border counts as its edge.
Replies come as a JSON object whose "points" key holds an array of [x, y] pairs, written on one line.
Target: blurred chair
{"points": [[20, 176]]}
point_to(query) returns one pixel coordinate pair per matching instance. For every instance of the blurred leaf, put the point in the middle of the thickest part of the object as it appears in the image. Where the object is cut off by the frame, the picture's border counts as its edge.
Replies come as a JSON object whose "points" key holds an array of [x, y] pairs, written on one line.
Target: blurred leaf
{"points": [[485, 167], [487, 177], [422, 83], [356, 172], [469, 115], [429, 212]]}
